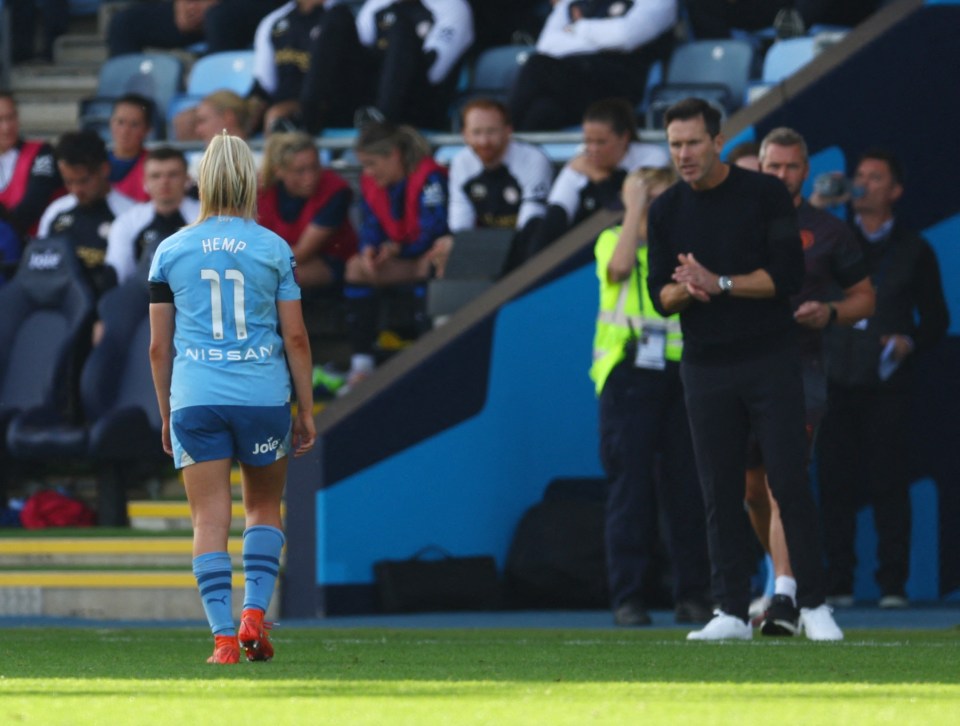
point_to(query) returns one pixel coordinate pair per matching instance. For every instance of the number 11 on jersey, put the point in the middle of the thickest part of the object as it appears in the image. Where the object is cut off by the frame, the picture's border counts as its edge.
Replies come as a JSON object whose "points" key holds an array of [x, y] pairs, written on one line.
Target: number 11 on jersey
{"points": [[216, 301]]}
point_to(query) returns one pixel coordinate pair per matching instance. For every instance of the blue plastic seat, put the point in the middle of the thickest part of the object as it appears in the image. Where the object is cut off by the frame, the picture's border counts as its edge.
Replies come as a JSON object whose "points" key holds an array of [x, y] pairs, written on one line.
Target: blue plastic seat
{"points": [[491, 75], [786, 57], [715, 70], [120, 427], [783, 59], [44, 332], [496, 69], [230, 70], [156, 76]]}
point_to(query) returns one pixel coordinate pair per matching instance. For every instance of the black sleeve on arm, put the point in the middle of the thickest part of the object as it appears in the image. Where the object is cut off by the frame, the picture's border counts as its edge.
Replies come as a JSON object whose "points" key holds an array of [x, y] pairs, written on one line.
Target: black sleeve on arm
{"points": [[660, 262], [785, 250], [847, 264], [931, 305], [160, 292]]}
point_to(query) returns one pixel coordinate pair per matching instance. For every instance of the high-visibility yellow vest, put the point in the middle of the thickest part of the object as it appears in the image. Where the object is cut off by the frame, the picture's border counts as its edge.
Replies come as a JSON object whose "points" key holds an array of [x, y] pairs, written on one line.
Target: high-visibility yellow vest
{"points": [[621, 310]]}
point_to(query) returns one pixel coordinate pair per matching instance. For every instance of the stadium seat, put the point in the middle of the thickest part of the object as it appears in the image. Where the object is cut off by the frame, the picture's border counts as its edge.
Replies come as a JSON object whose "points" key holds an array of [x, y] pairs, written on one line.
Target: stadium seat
{"points": [[786, 57], [496, 69], [118, 397], [491, 76], [231, 70], [716, 70], [157, 76], [782, 59], [475, 263], [95, 116], [120, 427], [44, 332]]}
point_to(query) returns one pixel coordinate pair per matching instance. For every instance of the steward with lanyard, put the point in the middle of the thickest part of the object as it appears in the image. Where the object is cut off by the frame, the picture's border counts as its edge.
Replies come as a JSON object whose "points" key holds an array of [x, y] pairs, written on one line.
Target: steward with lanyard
{"points": [[643, 419]]}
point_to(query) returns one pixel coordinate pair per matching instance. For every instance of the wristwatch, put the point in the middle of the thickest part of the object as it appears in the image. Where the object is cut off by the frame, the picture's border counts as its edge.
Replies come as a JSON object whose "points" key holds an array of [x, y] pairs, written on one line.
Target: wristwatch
{"points": [[725, 283]]}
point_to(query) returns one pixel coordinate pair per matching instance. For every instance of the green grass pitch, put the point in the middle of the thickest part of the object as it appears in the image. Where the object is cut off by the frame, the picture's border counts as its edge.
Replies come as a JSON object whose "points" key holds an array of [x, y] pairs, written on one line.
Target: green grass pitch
{"points": [[510, 676]]}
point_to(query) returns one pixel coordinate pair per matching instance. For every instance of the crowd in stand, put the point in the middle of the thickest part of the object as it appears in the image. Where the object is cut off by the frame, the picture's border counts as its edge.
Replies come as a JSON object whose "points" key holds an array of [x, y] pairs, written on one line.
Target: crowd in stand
{"points": [[390, 66]]}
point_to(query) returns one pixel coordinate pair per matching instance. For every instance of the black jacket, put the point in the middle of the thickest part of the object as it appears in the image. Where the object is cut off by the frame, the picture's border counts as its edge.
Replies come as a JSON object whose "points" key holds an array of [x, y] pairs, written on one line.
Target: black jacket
{"points": [[910, 301]]}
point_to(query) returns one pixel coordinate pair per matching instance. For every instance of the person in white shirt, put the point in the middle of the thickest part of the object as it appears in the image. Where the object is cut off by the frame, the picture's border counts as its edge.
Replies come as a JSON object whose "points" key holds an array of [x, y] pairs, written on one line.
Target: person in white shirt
{"points": [[142, 227], [592, 180], [589, 50], [497, 181]]}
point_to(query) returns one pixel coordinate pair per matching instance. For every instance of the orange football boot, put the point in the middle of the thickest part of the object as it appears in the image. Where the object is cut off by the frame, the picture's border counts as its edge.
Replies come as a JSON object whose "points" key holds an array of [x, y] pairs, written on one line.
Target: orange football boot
{"points": [[253, 635], [226, 650]]}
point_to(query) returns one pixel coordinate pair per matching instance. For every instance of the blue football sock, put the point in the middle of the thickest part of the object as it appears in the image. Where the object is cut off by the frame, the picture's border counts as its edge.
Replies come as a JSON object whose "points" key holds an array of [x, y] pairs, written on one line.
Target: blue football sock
{"points": [[214, 575], [261, 564]]}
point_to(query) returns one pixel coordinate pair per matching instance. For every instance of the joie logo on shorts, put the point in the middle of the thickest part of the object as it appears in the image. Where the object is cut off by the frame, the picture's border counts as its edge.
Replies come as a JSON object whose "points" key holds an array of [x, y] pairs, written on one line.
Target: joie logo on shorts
{"points": [[271, 445]]}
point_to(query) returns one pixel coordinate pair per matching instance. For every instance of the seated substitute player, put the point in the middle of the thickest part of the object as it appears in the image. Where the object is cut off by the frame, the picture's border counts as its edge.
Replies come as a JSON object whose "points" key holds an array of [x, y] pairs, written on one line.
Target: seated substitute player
{"points": [[592, 180], [403, 229], [130, 125], [497, 181], [146, 225], [86, 213], [224, 297], [29, 179], [309, 207]]}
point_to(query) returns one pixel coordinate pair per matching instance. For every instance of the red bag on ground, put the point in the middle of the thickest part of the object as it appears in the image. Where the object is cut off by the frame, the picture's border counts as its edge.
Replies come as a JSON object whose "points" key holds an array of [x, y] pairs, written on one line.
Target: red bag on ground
{"points": [[53, 509]]}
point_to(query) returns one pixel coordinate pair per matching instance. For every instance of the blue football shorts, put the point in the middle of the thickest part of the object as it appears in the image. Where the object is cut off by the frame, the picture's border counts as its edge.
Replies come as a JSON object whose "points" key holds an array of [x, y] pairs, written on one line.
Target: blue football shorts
{"points": [[254, 435]]}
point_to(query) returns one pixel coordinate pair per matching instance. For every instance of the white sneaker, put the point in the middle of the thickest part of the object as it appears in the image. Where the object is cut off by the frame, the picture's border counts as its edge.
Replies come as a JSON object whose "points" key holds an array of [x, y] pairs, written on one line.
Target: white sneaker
{"points": [[818, 623], [723, 627]]}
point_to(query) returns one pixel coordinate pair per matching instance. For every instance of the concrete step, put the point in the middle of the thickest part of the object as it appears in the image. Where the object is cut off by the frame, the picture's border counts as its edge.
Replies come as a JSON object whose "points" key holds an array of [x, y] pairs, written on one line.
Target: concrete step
{"points": [[109, 595], [48, 96], [39, 82], [102, 551], [79, 49], [49, 118], [158, 516]]}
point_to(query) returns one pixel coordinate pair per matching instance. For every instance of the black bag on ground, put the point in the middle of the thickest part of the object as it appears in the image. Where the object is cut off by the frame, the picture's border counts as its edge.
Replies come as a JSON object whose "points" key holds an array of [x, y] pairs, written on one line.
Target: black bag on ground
{"points": [[556, 559], [424, 584]]}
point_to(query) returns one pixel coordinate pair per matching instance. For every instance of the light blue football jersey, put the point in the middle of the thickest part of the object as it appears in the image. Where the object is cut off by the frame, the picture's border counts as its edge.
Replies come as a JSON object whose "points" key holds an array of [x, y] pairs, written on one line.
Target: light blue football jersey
{"points": [[227, 275]]}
